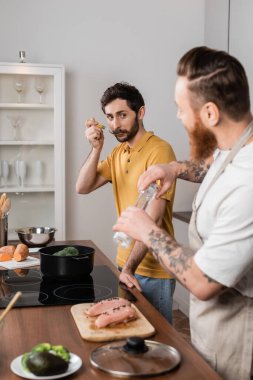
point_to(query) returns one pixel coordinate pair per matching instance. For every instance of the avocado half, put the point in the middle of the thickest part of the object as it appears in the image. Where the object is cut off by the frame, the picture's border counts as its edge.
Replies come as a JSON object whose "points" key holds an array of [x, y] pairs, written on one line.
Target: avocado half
{"points": [[46, 364]]}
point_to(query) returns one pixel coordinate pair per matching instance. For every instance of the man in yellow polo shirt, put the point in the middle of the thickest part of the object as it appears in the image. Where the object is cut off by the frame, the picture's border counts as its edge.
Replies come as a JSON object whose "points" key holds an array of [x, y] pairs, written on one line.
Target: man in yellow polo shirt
{"points": [[138, 149]]}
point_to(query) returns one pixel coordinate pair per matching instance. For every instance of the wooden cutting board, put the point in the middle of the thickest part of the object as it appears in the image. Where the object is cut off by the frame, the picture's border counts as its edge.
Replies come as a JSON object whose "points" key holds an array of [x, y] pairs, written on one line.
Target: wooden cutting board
{"points": [[88, 331]]}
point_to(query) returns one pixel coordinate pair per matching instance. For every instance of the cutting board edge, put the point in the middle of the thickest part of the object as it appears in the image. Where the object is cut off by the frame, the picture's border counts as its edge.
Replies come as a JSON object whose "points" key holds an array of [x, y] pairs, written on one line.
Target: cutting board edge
{"points": [[96, 338], [112, 339]]}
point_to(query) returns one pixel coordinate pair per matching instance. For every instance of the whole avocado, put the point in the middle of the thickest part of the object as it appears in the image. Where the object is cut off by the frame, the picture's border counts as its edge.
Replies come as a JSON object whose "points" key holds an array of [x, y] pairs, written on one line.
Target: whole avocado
{"points": [[46, 364]]}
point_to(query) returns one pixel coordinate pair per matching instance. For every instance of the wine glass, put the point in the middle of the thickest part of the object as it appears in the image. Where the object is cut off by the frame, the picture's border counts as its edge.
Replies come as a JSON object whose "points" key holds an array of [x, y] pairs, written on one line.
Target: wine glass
{"points": [[22, 172], [16, 124], [40, 87], [19, 87]]}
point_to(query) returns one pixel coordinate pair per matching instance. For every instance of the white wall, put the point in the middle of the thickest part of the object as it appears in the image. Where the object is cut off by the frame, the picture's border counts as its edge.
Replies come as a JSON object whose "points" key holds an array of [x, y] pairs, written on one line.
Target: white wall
{"points": [[240, 40], [100, 43], [217, 23]]}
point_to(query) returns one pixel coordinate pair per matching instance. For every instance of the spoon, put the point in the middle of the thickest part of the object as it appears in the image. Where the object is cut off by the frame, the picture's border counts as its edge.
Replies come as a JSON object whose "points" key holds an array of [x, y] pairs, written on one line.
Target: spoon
{"points": [[101, 126], [115, 133], [10, 305]]}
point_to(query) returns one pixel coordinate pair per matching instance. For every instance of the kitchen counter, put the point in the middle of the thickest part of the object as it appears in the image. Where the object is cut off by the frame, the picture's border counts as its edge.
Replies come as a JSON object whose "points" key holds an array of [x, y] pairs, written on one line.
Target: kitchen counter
{"points": [[25, 327], [184, 216]]}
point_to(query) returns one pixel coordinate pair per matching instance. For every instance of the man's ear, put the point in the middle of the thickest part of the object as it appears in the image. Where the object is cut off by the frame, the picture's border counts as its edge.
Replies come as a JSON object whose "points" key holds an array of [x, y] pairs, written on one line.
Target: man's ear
{"points": [[210, 114], [141, 113]]}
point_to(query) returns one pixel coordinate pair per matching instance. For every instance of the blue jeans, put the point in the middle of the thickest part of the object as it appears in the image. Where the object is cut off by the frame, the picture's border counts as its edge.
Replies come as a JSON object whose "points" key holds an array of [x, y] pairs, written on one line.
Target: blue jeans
{"points": [[159, 292]]}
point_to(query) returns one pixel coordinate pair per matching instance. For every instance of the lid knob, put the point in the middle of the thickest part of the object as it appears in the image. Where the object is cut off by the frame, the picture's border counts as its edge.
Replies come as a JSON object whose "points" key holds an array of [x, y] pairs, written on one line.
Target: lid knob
{"points": [[135, 345]]}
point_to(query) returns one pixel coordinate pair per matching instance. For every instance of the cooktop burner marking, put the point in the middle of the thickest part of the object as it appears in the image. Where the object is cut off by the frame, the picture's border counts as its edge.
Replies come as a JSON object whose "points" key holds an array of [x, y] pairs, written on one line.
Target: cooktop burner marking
{"points": [[80, 290], [19, 282], [30, 278], [29, 295], [42, 296]]}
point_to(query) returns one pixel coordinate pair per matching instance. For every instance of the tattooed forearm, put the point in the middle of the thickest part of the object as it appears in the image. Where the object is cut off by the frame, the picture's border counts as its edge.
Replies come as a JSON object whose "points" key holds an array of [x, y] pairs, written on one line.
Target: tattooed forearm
{"points": [[136, 255], [195, 171], [179, 261], [169, 253]]}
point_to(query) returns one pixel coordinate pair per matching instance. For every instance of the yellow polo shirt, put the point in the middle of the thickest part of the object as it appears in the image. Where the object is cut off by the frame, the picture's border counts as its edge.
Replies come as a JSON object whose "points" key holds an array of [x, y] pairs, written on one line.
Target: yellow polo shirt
{"points": [[123, 168]]}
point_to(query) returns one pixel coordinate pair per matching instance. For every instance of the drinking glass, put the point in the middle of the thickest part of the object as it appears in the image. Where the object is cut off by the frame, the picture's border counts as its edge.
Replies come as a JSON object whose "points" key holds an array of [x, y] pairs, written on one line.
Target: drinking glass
{"points": [[40, 87], [5, 171], [19, 87], [22, 172], [38, 165], [16, 168]]}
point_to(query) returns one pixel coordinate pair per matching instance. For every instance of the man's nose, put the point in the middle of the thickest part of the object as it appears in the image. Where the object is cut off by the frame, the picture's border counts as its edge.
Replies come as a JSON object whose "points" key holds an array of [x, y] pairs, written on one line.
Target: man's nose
{"points": [[115, 123]]}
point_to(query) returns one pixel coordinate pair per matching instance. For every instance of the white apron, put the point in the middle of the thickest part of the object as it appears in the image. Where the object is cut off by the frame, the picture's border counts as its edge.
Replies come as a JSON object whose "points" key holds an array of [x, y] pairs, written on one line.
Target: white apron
{"points": [[222, 327]]}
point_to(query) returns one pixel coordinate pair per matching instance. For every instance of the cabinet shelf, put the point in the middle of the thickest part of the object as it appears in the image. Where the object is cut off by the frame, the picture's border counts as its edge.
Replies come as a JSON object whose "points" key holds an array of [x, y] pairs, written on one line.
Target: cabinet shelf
{"points": [[25, 106], [21, 142], [27, 189]]}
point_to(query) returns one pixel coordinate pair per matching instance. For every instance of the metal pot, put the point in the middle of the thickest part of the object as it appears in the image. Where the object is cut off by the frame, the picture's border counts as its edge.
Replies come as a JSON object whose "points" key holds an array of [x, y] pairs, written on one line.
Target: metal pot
{"points": [[66, 266]]}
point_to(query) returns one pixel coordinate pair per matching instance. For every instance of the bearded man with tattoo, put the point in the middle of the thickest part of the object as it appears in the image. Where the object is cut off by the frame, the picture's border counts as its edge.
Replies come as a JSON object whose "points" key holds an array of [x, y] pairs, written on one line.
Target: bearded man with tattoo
{"points": [[213, 102]]}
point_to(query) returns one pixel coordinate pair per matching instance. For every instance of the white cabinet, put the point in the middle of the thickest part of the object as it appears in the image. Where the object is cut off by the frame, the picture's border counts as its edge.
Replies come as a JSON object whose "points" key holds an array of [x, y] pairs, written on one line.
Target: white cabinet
{"points": [[32, 145]]}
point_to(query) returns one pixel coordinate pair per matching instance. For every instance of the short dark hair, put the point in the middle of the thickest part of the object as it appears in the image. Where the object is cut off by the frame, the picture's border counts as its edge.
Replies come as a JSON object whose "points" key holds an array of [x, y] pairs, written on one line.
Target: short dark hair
{"points": [[123, 91], [218, 77]]}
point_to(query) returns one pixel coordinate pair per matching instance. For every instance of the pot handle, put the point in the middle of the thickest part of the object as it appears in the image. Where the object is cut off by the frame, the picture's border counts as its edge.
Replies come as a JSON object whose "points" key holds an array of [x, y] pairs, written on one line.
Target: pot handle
{"points": [[80, 258]]}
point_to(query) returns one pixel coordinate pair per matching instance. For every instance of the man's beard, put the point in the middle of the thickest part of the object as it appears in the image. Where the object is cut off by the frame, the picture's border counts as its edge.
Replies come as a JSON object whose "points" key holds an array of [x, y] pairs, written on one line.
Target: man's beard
{"points": [[202, 141], [128, 135]]}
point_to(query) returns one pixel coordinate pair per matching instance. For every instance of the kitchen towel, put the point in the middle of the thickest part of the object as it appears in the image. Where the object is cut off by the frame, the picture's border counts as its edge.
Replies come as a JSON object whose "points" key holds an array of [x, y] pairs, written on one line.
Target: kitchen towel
{"points": [[13, 264]]}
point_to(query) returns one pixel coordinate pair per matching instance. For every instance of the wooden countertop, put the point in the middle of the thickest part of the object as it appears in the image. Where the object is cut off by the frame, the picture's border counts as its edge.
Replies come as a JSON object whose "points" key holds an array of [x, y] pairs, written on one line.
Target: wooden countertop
{"points": [[25, 327]]}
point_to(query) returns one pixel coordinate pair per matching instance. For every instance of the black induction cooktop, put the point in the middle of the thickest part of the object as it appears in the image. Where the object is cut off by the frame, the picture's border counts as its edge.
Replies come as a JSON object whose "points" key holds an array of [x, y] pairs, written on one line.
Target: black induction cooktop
{"points": [[38, 290]]}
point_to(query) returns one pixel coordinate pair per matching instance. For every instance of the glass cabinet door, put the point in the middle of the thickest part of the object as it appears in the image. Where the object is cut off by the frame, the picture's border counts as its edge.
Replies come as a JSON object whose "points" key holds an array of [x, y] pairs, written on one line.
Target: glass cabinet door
{"points": [[32, 145]]}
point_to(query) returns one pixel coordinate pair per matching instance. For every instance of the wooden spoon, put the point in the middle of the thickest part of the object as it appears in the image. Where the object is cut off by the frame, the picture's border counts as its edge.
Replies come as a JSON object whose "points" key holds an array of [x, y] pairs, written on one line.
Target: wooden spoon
{"points": [[6, 206], [10, 305], [2, 199]]}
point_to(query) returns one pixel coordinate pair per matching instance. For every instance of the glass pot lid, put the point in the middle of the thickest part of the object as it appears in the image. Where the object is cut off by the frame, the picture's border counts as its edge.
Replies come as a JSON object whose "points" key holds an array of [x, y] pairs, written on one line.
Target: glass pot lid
{"points": [[135, 357]]}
